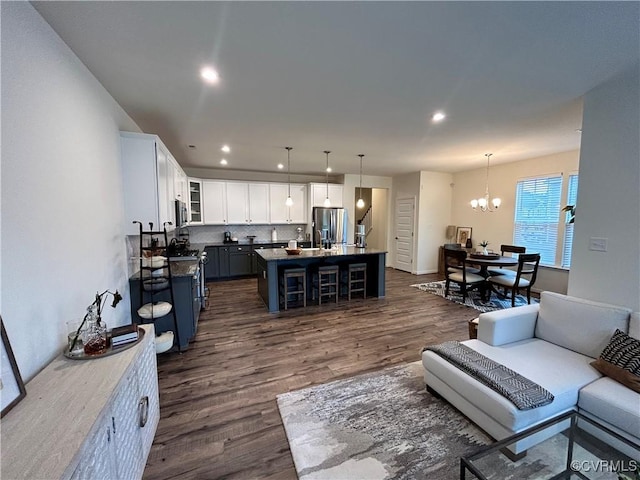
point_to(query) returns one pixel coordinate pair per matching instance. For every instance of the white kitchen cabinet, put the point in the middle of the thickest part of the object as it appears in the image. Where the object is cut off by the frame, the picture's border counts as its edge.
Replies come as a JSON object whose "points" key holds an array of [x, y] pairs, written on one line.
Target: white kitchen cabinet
{"points": [[258, 203], [318, 194], [194, 201], [92, 419], [214, 202], [247, 203], [279, 212], [149, 181]]}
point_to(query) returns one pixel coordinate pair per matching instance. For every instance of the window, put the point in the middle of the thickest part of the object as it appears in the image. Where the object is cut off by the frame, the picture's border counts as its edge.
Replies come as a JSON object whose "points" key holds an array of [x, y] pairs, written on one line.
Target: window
{"points": [[537, 216], [572, 197]]}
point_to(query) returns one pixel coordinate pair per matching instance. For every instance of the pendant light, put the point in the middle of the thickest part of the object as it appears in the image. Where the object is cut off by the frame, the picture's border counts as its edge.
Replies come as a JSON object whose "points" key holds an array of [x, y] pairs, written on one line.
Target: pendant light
{"points": [[289, 201], [360, 202], [327, 202], [483, 203]]}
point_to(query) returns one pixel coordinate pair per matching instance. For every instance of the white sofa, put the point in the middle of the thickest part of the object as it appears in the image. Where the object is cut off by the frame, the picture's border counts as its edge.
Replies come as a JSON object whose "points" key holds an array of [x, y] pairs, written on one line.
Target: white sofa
{"points": [[552, 344]]}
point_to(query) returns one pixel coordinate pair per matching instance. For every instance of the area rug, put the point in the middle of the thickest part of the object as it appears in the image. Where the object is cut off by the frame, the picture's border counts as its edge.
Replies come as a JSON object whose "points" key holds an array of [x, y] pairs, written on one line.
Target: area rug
{"points": [[385, 425], [473, 298]]}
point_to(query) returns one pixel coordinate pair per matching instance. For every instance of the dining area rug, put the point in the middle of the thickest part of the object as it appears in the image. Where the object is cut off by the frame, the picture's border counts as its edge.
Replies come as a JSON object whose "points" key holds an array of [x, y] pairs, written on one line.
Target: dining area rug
{"points": [[384, 425], [473, 299]]}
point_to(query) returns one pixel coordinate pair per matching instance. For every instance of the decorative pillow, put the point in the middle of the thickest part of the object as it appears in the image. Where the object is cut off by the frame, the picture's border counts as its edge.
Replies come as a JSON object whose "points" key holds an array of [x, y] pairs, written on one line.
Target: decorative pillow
{"points": [[620, 360]]}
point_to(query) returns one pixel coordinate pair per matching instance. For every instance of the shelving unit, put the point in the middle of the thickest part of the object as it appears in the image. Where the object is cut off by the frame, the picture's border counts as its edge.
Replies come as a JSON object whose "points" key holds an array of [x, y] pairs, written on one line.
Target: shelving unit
{"points": [[155, 278], [195, 202]]}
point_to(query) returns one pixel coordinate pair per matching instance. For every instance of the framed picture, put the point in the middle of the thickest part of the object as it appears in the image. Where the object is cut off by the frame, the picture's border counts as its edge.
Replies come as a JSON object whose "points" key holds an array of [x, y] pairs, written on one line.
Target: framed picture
{"points": [[11, 384], [462, 235]]}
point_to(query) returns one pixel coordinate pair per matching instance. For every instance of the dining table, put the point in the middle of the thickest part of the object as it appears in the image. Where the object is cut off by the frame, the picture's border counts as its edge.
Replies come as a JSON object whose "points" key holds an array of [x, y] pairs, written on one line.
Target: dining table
{"points": [[486, 261]]}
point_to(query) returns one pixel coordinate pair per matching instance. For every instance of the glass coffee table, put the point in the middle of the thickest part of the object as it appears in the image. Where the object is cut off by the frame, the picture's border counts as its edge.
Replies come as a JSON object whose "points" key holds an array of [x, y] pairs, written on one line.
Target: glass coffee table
{"points": [[581, 450]]}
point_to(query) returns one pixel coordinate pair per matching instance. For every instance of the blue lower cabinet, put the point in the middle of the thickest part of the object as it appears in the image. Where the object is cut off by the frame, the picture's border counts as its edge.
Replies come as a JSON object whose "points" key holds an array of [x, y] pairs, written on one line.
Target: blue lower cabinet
{"points": [[187, 307]]}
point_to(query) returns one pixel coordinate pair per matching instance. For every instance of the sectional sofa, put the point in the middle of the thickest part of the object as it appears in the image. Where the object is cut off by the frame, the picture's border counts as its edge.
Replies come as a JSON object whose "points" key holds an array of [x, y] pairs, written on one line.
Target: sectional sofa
{"points": [[554, 344]]}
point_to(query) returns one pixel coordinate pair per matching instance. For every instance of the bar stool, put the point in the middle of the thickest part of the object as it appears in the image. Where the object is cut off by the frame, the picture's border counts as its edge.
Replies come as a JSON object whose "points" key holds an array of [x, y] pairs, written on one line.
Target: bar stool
{"points": [[328, 282], [294, 282], [357, 279]]}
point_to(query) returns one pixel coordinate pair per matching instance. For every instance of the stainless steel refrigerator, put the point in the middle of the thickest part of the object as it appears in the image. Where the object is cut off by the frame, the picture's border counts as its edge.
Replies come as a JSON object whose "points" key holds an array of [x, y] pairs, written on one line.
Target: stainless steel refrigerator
{"points": [[329, 225]]}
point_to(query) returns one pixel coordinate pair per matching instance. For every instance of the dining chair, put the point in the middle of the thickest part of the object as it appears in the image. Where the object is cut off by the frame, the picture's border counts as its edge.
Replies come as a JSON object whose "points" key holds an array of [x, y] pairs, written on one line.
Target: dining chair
{"points": [[455, 270], [524, 279], [457, 246], [504, 250]]}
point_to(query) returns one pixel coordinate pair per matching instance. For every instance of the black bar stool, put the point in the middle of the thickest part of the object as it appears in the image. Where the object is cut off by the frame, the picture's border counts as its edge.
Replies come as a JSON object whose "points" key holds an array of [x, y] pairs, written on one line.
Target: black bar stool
{"points": [[357, 279], [294, 282], [328, 282]]}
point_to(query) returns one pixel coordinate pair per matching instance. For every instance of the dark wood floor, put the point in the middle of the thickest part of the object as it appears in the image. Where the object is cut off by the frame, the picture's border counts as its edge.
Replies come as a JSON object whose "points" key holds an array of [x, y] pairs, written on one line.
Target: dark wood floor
{"points": [[219, 417]]}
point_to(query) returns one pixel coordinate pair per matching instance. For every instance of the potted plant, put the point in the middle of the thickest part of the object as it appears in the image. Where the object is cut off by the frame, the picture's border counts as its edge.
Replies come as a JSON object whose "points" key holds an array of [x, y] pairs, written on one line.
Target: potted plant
{"points": [[572, 212], [94, 334]]}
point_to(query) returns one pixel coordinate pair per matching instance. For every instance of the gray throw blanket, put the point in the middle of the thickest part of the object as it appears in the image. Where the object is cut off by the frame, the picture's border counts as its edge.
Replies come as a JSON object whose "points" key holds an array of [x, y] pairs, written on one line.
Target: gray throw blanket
{"points": [[524, 393]]}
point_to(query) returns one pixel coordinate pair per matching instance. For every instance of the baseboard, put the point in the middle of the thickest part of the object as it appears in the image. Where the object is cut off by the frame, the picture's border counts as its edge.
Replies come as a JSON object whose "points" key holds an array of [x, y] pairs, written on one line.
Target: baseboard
{"points": [[424, 272]]}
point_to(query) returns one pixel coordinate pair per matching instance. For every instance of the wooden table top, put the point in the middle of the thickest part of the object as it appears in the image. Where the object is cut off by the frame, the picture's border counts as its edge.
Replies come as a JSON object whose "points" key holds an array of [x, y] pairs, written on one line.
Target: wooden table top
{"points": [[493, 261]]}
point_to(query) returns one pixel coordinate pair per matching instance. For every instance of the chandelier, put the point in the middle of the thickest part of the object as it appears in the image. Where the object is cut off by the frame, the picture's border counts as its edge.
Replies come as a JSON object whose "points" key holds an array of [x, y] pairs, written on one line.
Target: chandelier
{"points": [[483, 203], [289, 201], [360, 202], [327, 202]]}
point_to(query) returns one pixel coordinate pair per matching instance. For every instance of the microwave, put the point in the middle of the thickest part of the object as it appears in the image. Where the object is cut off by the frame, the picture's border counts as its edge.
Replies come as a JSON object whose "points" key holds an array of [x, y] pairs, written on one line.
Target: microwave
{"points": [[181, 213]]}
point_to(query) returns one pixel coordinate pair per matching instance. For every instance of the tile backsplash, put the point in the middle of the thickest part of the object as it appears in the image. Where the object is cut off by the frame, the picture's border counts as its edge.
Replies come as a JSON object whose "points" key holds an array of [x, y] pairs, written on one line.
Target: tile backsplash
{"points": [[215, 233]]}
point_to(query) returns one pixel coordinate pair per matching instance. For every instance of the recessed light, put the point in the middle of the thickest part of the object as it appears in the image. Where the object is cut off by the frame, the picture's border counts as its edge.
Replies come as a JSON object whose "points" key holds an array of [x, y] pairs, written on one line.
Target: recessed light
{"points": [[438, 117], [329, 169], [280, 166], [209, 75], [223, 162], [225, 148]]}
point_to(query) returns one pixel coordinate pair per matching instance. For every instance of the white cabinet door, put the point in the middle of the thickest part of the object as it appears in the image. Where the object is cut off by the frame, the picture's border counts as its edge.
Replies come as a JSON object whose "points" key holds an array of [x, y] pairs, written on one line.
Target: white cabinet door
{"points": [[162, 159], [98, 461], [298, 211], [126, 434], [171, 192], [279, 212], [237, 203], [214, 202], [148, 398], [319, 194], [258, 203]]}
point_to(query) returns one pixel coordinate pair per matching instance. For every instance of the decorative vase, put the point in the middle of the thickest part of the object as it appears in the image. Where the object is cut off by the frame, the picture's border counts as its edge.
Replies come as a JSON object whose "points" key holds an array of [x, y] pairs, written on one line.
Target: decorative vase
{"points": [[484, 251], [74, 337], [94, 336]]}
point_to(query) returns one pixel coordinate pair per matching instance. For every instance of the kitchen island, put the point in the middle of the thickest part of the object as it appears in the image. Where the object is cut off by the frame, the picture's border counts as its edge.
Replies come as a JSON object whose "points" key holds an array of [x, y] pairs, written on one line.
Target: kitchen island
{"points": [[271, 263]]}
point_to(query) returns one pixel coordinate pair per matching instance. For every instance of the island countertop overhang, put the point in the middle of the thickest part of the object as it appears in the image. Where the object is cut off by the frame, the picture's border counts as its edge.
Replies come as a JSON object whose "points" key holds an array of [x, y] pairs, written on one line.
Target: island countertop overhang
{"points": [[278, 254]]}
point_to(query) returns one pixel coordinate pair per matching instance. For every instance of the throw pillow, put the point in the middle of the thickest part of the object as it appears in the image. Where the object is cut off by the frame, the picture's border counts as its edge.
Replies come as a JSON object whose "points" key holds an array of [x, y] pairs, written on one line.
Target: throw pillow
{"points": [[618, 374], [620, 360]]}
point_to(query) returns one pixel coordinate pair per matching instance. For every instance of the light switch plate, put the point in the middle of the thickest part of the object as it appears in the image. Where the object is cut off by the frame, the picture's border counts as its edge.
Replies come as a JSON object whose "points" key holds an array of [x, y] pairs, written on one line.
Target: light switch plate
{"points": [[598, 244]]}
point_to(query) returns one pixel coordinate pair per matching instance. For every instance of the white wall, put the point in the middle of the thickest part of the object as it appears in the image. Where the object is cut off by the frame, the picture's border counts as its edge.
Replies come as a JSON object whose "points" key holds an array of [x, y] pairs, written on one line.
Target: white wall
{"points": [[378, 238], [62, 217], [350, 185], [609, 195], [434, 214], [497, 227]]}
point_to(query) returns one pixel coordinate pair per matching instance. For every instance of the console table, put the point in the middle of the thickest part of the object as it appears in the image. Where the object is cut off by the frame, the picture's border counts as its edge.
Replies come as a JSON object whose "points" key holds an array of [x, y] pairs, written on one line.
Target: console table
{"points": [[85, 418]]}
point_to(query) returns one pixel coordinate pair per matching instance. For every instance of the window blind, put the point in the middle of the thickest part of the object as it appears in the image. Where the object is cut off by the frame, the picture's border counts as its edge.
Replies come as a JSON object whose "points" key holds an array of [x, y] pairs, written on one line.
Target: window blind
{"points": [[572, 197], [537, 214]]}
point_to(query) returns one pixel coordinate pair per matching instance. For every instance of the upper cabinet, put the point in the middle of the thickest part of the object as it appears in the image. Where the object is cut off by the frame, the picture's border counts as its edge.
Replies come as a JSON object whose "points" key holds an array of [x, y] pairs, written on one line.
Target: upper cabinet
{"points": [[280, 213], [247, 203], [318, 194], [194, 202], [149, 181], [214, 202]]}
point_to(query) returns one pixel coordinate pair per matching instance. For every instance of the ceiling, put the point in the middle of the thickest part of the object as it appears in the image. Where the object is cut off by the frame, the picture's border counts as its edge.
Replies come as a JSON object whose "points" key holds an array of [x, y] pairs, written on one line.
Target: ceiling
{"points": [[353, 77]]}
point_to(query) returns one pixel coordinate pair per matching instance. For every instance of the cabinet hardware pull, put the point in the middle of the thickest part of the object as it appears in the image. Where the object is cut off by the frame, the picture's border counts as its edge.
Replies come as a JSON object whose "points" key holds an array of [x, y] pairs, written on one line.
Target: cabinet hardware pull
{"points": [[143, 411], [113, 423], [108, 435]]}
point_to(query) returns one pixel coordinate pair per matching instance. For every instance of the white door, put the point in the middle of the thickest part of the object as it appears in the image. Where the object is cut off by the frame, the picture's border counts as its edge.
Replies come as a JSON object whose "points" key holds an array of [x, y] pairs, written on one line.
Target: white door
{"points": [[405, 208]]}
